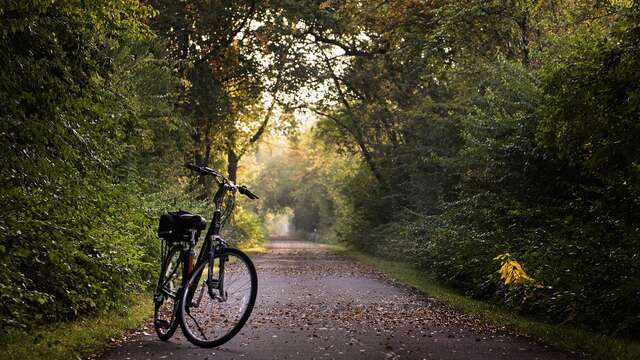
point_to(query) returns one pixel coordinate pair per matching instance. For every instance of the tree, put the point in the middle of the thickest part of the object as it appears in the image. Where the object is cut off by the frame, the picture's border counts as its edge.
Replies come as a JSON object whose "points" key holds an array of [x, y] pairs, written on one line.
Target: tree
{"points": [[234, 62]]}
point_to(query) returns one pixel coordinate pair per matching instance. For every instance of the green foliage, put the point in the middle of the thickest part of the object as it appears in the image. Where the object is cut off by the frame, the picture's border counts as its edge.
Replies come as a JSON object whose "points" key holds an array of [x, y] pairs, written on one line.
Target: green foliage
{"points": [[592, 99], [499, 127], [245, 230], [95, 123], [76, 237]]}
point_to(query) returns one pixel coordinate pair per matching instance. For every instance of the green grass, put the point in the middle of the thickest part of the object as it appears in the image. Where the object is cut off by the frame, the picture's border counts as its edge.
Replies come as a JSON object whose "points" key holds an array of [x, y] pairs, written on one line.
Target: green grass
{"points": [[563, 337], [77, 339]]}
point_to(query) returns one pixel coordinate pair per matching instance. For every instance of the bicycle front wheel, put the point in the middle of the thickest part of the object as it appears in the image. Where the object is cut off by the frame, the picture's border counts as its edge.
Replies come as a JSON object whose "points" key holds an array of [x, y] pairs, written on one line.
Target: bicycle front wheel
{"points": [[212, 314]]}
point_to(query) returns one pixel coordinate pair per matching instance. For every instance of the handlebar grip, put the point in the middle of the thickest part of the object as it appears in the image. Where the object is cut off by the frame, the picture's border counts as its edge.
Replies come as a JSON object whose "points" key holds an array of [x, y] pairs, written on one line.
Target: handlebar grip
{"points": [[244, 191]]}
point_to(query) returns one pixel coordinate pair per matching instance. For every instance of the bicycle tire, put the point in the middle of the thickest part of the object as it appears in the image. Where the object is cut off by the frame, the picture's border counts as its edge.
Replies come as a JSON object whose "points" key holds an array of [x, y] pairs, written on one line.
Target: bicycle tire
{"points": [[187, 320], [172, 266]]}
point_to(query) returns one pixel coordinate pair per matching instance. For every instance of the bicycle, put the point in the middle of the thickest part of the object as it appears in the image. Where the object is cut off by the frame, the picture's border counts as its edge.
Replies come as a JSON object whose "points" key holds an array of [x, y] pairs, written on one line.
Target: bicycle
{"points": [[219, 290]]}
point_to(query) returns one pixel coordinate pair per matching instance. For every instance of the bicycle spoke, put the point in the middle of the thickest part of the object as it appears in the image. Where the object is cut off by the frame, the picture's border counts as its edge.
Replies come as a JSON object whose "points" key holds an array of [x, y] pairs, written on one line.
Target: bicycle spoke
{"points": [[198, 326], [231, 280], [200, 296], [244, 288]]}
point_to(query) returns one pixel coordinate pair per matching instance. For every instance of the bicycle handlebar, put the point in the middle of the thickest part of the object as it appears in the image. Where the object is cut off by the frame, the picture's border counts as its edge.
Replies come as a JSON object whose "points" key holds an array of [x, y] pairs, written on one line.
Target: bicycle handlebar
{"points": [[246, 192], [204, 170]]}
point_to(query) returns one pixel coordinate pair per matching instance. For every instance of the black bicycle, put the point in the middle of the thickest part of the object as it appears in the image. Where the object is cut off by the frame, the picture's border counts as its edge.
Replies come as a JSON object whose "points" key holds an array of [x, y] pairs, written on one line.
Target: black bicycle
{"points": [[213, 298]]}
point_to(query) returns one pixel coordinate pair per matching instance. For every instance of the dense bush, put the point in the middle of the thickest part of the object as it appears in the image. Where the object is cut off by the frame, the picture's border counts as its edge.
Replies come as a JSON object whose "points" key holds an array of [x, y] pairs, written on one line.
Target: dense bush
{"points": [[74, 239], [549, 177]]}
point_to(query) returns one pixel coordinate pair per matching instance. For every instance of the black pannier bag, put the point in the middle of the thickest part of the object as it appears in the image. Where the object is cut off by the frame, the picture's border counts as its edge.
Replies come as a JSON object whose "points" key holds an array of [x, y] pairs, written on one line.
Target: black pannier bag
{"points": [[176, 226]]}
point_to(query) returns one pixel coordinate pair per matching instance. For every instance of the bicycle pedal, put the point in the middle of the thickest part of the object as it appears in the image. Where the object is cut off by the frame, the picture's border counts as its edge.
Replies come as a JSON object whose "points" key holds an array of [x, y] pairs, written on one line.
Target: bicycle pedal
{"points": [[161, 323]]}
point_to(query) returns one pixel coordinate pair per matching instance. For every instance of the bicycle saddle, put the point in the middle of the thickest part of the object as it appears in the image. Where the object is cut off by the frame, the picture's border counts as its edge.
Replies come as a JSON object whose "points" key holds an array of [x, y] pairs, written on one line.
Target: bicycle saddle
{"points": [[175, 226], [187, 220]]}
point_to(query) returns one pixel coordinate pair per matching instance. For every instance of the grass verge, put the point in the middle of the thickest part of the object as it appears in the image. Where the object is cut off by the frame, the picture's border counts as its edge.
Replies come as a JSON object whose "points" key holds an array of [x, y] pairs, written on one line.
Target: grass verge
{"points": [[592, 345], [78, 339]]}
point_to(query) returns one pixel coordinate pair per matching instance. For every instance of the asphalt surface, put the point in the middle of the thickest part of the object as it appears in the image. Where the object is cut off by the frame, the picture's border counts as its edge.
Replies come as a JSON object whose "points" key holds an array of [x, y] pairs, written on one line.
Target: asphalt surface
{"points": [[313, 304]]}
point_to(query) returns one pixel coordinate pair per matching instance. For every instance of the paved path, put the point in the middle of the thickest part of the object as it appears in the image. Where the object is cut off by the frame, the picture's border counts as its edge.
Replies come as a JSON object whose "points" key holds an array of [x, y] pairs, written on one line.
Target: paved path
{"points": [[313, 304]]}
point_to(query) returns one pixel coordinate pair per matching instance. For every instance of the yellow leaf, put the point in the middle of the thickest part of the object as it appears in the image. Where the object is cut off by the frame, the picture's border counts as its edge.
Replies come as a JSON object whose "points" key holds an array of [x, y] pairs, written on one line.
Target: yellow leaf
{"points": [[325, 4], [512, 272]]}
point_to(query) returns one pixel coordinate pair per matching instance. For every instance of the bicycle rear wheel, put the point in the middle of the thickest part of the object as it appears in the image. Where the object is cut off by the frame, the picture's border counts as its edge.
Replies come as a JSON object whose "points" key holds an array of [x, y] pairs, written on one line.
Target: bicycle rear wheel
{"points": [[211, 317], [167, 295]]}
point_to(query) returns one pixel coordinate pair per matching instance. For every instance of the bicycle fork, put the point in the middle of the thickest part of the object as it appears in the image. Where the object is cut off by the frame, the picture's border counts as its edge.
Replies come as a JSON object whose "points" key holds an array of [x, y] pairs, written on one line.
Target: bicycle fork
{"points": [[212, 283], [216, 284]]}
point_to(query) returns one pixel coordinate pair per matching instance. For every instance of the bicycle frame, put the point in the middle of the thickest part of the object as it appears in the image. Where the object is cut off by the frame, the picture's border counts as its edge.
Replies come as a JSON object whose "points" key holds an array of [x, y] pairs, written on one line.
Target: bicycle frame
{"points": [[213, 244]]}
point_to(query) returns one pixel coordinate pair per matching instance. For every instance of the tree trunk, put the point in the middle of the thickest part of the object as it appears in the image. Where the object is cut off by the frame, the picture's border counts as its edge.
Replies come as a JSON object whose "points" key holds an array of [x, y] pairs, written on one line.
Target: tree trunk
{"points": [[524, 37], [201, 154], [232, 162]]}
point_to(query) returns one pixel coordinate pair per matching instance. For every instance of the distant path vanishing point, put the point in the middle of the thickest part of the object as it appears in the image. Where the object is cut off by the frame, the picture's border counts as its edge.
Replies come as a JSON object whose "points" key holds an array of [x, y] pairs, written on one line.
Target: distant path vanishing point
{"points": [[313, 304]]}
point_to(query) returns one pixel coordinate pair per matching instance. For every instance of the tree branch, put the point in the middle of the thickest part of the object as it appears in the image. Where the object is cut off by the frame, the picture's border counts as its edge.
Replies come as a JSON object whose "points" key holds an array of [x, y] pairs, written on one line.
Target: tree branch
{"points": [[232, 34], [348, 50], [366, 154]]}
